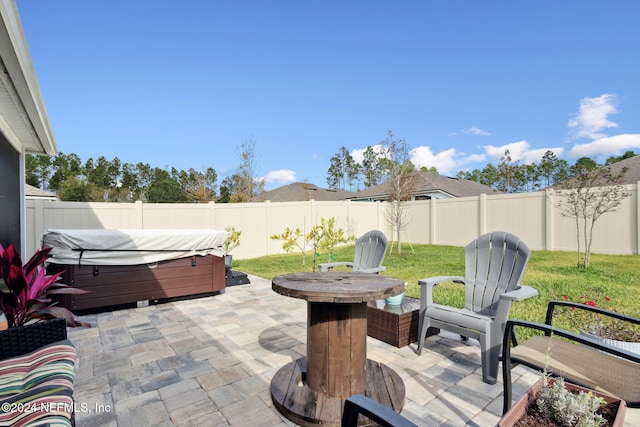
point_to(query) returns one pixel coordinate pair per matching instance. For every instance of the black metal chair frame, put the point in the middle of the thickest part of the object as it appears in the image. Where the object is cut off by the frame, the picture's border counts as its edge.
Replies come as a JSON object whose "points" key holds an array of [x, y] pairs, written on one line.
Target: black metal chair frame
{"points": [[508, 362]]}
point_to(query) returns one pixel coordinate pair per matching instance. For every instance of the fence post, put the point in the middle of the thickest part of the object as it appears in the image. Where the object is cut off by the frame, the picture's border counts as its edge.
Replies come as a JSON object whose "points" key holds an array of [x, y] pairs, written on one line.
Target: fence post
{"points": [[38, 222], [381, 213], [139, 214], [482, 214], [432, 224], [550, 204], [268, 228]]}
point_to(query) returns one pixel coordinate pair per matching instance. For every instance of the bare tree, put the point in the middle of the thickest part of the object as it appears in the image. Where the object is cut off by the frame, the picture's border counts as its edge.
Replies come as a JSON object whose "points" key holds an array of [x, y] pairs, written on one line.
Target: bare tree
{"points": [[246, 185], [200, 186], [401, 181], [590, 193]]}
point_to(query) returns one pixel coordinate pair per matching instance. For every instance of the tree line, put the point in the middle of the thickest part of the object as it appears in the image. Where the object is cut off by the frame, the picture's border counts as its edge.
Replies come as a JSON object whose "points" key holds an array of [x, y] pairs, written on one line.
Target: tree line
{"points": [[509, 176], [73, 179], [379, 164], [514, 177], [103, 180]]}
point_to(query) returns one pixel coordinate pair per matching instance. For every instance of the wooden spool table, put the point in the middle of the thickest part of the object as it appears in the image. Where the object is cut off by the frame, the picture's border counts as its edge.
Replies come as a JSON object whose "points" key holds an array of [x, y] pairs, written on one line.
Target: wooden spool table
{"points": [[312, 389]]}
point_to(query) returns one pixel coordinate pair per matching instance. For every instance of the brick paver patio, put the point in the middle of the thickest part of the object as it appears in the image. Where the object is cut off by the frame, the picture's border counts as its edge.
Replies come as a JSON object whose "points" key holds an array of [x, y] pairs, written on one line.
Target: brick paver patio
{"points": [[209, 362]]}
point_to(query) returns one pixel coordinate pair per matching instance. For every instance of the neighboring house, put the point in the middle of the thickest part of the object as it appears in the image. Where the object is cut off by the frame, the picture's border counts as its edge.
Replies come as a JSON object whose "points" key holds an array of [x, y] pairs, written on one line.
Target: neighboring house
{"points": [[429, 186], [302, 192], [632, 174], [24, 125], [33, 193]]}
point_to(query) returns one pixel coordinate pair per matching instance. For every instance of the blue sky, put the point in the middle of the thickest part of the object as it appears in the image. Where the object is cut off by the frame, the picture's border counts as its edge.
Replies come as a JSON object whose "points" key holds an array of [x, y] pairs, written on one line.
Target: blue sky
{"points": [[183, 83]]}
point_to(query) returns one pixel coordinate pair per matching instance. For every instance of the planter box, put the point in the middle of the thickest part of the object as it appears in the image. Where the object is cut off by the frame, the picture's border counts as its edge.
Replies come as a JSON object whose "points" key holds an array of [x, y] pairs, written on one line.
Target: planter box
{"points": [[395, 325], [520, 407]]}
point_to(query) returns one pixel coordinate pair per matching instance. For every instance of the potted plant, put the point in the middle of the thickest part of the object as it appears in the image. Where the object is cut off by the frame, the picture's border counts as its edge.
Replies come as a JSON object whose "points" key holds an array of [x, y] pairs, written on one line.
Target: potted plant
{"points": [[232, 242], [612, 331], [555, 402], [25, 290]]}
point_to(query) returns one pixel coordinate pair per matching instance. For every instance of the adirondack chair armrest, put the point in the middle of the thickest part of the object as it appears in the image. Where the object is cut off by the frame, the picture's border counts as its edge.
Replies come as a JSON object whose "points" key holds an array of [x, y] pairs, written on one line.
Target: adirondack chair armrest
{"points": [[504, 303], [373, 270], [432, 281], [426, 288], [520, 293], [330, 265]]}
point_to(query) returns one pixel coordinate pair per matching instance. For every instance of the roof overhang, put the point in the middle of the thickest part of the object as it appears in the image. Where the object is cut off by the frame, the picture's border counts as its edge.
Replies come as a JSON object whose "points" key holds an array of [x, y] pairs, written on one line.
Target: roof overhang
{"points": [[23, 117], [387, 197]]}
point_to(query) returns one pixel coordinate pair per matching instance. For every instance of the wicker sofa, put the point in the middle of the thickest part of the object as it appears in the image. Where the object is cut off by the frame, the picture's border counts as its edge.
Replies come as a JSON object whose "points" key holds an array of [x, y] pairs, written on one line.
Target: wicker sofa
{"points": [[37, 370]]}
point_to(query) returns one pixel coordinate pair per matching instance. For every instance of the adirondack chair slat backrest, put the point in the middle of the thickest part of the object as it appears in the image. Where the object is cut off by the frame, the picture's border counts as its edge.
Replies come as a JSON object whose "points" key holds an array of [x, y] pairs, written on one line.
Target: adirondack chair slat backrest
{"points": [[370, 250], [494, 264]]}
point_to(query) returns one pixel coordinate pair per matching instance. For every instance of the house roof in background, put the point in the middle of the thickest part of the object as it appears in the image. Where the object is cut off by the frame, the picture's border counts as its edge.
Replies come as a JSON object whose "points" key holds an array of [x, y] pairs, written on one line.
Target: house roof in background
{"points": [[31, 192], [302, 192], [632, 174], [24, 122], [429, 183]]}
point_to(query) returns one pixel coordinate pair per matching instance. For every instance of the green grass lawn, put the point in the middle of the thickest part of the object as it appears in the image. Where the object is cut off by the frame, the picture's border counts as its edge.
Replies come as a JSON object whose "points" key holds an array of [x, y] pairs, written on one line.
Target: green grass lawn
{"points": [[553, 274]]}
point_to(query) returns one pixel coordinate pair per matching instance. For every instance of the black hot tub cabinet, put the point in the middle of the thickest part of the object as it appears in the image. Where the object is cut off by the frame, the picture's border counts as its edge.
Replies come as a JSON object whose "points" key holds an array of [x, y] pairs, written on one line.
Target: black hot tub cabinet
{"points": [[126, 266]]}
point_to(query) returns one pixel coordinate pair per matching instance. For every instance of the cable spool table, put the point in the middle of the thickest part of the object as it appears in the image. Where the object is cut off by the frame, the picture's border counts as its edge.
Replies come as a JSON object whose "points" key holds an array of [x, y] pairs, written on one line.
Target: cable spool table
{"points": [[311, 390]]}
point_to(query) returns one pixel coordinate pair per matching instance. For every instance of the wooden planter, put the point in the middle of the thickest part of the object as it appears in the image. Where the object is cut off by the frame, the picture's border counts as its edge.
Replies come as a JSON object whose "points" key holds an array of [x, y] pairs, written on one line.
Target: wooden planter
{"points": [[520, 407]]}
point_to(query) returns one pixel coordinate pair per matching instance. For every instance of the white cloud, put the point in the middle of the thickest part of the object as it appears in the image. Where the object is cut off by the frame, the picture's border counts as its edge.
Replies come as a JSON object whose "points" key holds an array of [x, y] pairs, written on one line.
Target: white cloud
{"points": [[592, 117], [516, 150], [474, 130], [282, 176], [520, 151], [608, 145], [358, 153], [447, 162], [474, 158]]}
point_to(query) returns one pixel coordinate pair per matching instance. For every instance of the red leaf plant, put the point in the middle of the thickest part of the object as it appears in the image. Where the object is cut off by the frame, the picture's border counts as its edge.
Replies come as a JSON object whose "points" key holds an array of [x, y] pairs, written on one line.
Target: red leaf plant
{"points": [[24, 295]]}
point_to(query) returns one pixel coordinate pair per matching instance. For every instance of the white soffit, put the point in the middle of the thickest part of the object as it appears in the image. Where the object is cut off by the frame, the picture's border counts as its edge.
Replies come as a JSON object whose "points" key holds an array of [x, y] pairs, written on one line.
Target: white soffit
{"points": [[23, 117]]}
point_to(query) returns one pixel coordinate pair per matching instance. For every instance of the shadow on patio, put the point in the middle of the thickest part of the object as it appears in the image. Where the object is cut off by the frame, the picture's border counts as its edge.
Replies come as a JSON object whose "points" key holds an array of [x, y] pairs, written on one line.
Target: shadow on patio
{"points": [[209, 361]]}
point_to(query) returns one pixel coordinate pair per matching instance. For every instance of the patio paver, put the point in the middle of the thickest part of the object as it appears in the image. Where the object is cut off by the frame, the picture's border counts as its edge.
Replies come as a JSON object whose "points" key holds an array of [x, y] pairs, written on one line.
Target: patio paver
{"points": [[209, 361]]}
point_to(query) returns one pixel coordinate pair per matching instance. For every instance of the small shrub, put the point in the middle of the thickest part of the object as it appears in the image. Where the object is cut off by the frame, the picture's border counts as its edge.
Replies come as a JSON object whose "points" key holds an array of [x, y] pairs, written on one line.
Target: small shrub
{"points": [[566, 408], [233, 239]]}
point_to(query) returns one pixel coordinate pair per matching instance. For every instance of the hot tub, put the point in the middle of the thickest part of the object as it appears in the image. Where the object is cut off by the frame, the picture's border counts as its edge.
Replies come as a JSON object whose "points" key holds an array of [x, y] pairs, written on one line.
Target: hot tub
{"points": [[127, 266]]}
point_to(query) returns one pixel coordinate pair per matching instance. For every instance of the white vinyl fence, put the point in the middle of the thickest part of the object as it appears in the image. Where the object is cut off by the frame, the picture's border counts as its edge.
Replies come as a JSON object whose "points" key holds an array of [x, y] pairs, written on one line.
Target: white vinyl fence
{"points": [[533, 217]]}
